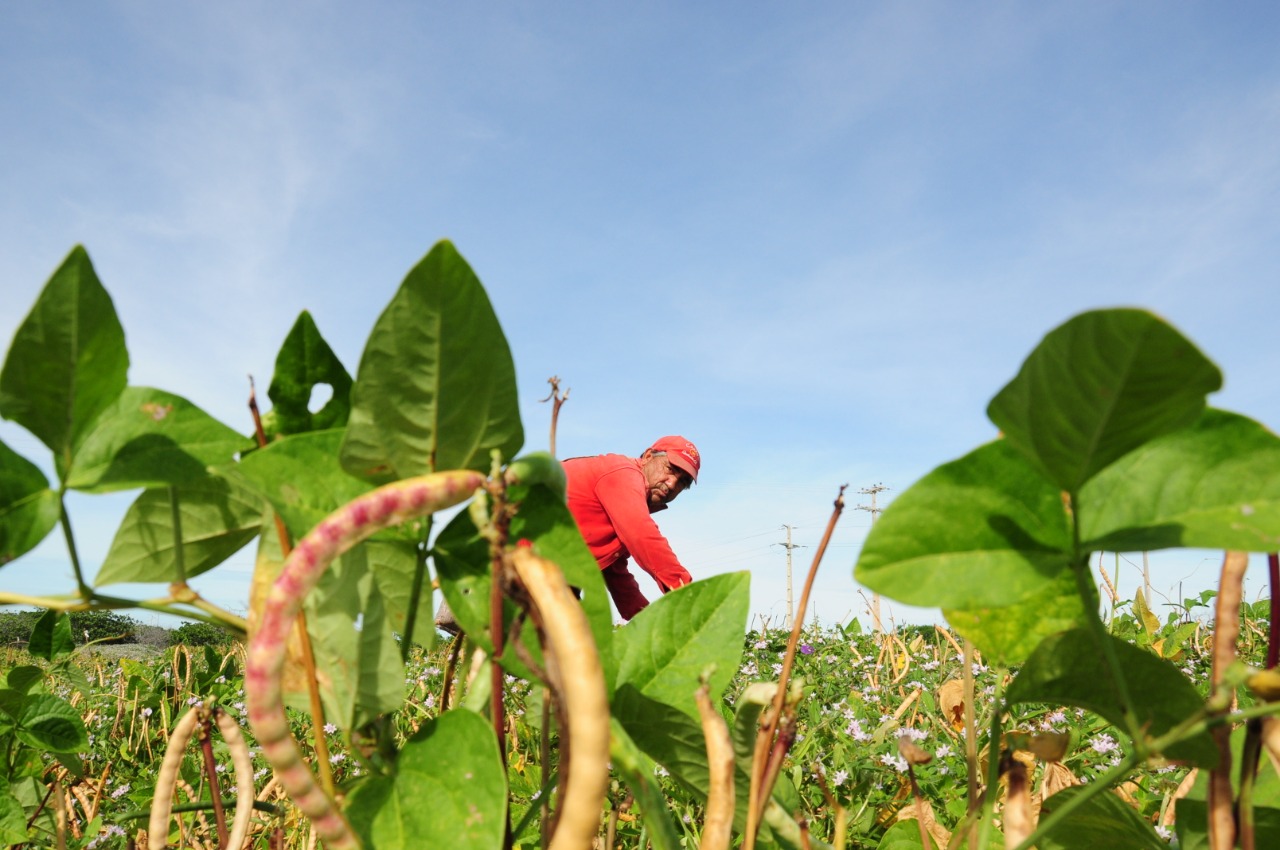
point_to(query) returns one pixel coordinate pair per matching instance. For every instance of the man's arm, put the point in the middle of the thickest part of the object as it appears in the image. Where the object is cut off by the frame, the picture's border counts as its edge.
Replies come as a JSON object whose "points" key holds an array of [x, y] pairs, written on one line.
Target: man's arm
{"points": [[638, 532], [623, 588]]}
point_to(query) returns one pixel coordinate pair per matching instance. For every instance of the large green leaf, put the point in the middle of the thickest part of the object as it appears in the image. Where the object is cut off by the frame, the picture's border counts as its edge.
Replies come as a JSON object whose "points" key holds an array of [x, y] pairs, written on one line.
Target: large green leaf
{"points": [[436, 387], [358, 663], [667, 647], [301, 478], [394, 563], [1007, 635], [28, 508], [219, 516], [50, 723], [1099, 386], [984, 531], [449, 790], [1104, 820], [68, 360], [462, 559], [305, 361], [51, 636], [1069, 669], [1215, 485], [13, 818], [150, 438]]}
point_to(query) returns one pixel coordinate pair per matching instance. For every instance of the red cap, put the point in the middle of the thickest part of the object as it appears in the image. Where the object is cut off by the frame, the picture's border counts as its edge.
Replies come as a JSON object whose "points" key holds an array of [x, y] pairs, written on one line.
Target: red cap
{"points": [[680, 452]]}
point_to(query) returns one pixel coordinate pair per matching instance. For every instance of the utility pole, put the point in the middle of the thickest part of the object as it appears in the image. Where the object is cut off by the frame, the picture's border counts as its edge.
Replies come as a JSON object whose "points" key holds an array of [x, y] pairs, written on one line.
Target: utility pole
{"points": [[790, 599], [874, 511]]}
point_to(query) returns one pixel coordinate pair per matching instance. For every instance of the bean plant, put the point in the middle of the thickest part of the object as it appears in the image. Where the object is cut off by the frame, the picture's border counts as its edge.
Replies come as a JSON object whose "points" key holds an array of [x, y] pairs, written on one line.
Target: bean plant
{"points": [[657, 732]]}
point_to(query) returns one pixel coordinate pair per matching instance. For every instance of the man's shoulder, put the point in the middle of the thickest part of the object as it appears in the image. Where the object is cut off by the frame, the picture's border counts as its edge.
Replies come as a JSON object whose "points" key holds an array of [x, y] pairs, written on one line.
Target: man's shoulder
{"points": [[597, 465]]}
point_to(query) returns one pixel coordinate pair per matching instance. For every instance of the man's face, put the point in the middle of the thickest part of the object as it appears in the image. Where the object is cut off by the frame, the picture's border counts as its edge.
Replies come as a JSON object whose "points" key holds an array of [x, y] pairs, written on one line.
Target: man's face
{"points": [[663, 480]]}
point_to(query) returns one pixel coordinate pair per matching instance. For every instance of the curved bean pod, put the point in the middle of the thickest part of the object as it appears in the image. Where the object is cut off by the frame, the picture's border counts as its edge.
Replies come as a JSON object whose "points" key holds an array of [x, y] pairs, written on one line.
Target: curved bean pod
{"points": [[573, 663], [162, 804], [264, 697], [244, 778], [717, 828]]}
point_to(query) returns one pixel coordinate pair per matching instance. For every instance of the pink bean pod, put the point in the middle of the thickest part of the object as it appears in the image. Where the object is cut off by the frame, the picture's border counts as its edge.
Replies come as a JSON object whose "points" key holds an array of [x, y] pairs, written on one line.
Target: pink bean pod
{"points": [[264, 696]]}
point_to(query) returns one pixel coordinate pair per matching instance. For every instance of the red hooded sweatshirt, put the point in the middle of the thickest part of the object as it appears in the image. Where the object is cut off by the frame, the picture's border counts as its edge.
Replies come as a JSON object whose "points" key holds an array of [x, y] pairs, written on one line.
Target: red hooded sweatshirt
{"points": [[610, 502]]}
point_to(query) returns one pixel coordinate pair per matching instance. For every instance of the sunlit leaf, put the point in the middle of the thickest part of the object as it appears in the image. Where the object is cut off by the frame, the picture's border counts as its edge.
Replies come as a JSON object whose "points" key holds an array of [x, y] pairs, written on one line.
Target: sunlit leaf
{"points": [[637, 771], [1215, 485], [305, 361], [452, 762], [301, 478], [219, 516], [28, 508], [50, 723], [984, 531], [1071, 669], [1008, 634], [436, 386], [150, 438], [1099, 386], [68, 360], [667, 647]]}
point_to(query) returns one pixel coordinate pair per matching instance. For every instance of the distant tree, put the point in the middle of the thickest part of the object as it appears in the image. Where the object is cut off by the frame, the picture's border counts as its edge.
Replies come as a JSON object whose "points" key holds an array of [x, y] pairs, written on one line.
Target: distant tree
{"points": [[99, 625], [16, 626], [200, 634]]}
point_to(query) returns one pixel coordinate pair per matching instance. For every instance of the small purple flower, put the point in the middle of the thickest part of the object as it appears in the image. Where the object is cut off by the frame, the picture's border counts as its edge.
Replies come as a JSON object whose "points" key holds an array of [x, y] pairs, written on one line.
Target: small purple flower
{"points": [[806, 649]]}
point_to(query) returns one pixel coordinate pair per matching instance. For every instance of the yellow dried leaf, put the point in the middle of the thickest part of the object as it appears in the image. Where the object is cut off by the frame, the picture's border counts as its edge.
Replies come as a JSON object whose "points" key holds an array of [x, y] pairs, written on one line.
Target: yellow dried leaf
{"points": [[913, 753], [1265, 684], [1056, 776], [922, 811], [951, 701]]}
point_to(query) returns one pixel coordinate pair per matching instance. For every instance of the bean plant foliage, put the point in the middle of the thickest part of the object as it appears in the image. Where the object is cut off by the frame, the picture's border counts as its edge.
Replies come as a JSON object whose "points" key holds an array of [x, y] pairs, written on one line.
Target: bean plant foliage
{"points": [[660, 729]]}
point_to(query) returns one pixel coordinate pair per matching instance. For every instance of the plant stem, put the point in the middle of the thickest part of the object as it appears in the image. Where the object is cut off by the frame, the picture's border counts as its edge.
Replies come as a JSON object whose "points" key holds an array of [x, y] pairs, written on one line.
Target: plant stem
{"points": [[415, 592], [179, 558], [211, 771], [85, 591], [970, 736], [1273, 633], [993, 760]]}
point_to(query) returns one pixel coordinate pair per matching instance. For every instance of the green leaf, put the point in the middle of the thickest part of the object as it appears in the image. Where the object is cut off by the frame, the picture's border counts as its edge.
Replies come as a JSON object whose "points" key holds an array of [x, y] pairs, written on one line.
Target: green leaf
{"points": [[28, 508], [50, 723], [301, 478], [219, 517], [150, 438], [1215, 485], [436, 387], [1007, 635], [984, 531], [68, 360], [453, 762], [903, 835], [13, 819], [665, 648], [1192, 825], [394, 563], [358, 663], [305, 361], [1099, 386], [1103, 821], [24, 678], [1068, 669], [51, 636]]}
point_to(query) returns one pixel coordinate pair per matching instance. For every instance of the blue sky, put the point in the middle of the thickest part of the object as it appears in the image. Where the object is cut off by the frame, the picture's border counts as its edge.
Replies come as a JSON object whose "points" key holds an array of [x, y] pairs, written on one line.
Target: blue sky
{"points": [[814, 238]]}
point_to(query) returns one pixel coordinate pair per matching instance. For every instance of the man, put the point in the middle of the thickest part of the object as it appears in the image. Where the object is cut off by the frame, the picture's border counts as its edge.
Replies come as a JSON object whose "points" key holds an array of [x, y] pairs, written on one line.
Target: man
{"points": [[612, 498]]}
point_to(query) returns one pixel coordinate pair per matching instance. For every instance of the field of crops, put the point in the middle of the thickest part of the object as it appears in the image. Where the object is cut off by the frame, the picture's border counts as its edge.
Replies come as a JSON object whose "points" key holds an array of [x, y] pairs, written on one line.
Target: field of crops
{"points": [[880, 738]]}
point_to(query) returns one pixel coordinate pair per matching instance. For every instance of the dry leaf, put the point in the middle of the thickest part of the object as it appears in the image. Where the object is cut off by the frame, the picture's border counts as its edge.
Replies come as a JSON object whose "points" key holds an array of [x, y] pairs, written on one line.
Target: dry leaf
{"points": [[922, 811], [912, 752], [951, 701], [1056, 776], [1019, 821]]}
